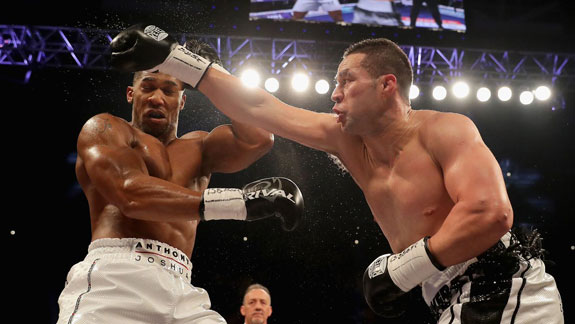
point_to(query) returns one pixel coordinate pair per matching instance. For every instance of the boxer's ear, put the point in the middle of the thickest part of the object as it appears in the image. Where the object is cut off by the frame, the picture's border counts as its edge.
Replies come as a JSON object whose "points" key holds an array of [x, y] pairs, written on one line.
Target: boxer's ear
{"points": [[182, 101], [130, 94], [387, 83]]}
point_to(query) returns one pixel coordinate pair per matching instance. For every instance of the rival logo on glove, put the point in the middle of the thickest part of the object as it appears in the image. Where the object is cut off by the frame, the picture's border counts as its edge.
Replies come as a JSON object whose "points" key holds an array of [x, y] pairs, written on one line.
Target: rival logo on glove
{"points": [[265, 188], [269, 193], [155, 32], [263, 184]]}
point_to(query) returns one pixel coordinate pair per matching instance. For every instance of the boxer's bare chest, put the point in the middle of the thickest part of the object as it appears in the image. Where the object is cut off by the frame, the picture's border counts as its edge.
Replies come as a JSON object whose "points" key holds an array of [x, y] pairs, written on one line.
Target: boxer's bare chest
{"points": [[407, 196], [179, 162]]}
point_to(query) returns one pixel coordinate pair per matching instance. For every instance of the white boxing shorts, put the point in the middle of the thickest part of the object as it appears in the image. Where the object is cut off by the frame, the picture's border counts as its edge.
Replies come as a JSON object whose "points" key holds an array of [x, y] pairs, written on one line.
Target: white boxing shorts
{"points": [[506, 284], [133, 281], [312, 5]]}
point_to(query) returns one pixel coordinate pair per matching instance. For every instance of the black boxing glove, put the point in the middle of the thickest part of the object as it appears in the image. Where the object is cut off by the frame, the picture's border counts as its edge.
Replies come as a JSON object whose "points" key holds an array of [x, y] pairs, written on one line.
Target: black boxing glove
{"points": [[279, 197], [149, 48], [389, 277], [141, 48]]}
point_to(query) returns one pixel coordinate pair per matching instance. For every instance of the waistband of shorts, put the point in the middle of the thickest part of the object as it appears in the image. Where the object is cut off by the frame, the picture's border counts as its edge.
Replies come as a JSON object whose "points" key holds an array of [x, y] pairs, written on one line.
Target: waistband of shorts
{"points": [[145, 251]]}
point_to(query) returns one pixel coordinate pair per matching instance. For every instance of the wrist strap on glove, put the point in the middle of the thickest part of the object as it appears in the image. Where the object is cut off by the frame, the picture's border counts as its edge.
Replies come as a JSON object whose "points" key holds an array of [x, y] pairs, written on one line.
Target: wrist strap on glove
{"points": [[412, 266], [223, 203], [185, 66]]}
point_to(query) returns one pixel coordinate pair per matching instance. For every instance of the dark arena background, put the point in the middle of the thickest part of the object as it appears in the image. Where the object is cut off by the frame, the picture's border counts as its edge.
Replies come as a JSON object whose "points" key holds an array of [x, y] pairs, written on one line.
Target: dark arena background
{"points": [[54, 75]]}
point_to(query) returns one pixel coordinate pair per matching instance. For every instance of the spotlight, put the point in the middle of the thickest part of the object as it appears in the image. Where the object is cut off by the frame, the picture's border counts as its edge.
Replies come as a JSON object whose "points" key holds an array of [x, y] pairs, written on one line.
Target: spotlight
{"points": [[413, 91], [272, 84], [460, 89], [504, 93], [526, 97], [439, 93], [300, 82], [542, 93], [250, 78], [322, 86], [483, 94]]}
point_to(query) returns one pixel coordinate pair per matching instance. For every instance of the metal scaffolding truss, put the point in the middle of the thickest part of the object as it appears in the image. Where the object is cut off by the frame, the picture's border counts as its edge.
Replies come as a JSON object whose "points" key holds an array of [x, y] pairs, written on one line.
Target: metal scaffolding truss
{"points": [[431, 64], [505, 65], [270, 55], [45, 46], [49, 46]]}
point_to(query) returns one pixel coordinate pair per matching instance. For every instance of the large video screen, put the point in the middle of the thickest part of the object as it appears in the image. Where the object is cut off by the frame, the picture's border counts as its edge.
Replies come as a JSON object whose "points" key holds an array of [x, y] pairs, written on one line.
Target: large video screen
{"points": [[432, 14]]}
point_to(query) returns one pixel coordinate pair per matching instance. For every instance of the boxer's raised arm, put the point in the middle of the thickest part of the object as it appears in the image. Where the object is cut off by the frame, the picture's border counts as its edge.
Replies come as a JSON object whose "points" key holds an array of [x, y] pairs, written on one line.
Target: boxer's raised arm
{"points": [[150, 48], [261, 109], [231, 148]]}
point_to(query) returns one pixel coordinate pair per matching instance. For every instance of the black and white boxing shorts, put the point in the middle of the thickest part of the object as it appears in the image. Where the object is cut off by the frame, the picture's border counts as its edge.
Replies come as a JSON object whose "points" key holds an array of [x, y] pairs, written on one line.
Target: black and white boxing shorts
{"points": [[506, 284]]}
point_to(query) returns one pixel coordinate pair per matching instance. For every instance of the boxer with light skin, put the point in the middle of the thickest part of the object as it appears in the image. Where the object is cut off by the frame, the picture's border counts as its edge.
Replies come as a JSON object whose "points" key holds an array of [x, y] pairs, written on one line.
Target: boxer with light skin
{"points": [[434, 188], [147, 190]]}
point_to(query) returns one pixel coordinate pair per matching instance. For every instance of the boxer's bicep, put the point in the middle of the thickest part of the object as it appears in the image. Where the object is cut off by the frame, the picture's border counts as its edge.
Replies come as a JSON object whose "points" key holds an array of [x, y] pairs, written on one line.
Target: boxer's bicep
{"points": [[225, 150], [470, 170]]}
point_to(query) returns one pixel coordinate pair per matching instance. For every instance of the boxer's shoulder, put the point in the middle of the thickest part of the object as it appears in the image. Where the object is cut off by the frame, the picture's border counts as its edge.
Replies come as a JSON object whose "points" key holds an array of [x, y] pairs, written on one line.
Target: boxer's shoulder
{"points": [[103, 122], [105, 127], [195, 135], [432, 118], [435, 125]]}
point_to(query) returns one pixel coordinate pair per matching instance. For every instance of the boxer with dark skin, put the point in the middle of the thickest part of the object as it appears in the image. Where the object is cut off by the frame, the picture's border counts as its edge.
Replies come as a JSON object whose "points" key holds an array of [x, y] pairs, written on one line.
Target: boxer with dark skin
{"points": [[141, 180], [147, 190]]}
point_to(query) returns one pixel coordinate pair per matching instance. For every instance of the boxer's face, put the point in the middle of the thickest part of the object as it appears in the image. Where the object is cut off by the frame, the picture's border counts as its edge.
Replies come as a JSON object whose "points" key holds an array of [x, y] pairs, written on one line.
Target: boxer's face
{"points": [[356, 98], [157, 100], [256, 308]]}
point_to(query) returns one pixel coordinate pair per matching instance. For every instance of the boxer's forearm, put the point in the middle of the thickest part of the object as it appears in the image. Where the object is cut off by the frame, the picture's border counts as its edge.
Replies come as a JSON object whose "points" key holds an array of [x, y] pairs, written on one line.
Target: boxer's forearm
{"points": [[253, 136], [469, 230], [153, 199]]}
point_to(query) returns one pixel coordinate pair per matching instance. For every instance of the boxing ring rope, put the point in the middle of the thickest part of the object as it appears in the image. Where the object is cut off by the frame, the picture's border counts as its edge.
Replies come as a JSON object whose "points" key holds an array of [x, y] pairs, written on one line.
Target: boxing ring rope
{"points": [[50, 46]]}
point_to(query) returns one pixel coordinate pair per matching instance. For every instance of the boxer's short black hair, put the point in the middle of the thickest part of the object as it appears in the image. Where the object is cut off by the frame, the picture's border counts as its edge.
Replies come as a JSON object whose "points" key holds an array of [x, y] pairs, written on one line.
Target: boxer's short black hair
{"points": [[383, 56]]}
